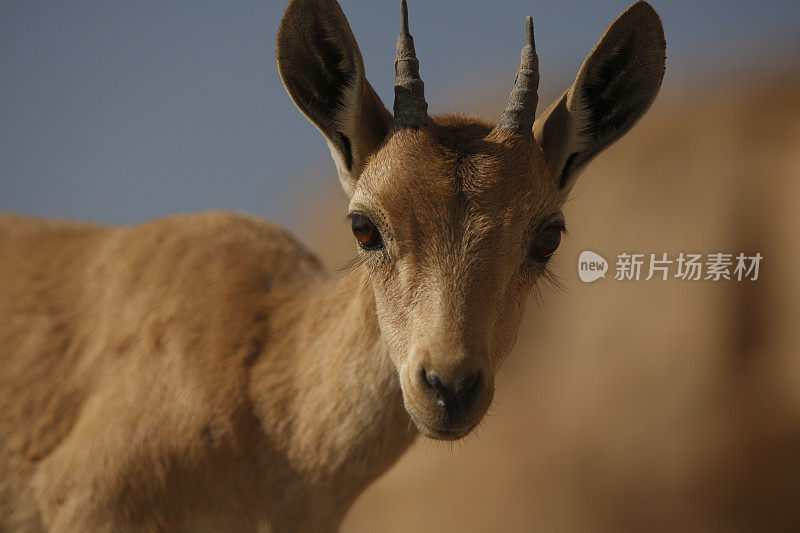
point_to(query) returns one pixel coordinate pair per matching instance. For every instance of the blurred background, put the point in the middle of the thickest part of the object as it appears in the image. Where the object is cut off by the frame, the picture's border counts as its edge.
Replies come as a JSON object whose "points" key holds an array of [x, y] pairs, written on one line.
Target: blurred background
{"points": [[626, 406]]}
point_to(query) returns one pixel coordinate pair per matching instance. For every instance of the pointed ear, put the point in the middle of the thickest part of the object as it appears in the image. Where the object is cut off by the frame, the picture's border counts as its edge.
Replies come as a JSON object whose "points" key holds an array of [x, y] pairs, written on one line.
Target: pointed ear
{"points": [[615, 86], [323, 71]]}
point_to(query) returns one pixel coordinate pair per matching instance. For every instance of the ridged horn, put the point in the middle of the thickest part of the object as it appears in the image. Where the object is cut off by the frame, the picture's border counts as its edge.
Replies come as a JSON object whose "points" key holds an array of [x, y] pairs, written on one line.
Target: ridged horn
{"points": [[520, 112], [410, 108]]}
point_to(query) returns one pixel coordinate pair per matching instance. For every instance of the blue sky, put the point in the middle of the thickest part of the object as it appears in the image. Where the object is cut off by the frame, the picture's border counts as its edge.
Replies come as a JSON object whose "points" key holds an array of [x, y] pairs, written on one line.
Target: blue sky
{"points": [[123, 111]]}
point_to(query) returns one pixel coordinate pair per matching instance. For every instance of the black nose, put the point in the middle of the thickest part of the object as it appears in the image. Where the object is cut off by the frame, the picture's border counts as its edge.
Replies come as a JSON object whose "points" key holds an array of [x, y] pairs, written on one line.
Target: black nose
{"points": [[456, 392]]}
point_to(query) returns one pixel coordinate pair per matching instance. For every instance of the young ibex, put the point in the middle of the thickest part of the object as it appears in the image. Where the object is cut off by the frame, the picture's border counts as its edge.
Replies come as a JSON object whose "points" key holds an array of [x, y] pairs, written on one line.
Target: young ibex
{"points": [[204, 372]]}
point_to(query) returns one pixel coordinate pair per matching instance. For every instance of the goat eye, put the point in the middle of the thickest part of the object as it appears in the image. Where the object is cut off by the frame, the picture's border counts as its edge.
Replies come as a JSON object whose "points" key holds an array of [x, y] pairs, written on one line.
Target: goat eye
{"points": [[546, 242], [365, 232]]}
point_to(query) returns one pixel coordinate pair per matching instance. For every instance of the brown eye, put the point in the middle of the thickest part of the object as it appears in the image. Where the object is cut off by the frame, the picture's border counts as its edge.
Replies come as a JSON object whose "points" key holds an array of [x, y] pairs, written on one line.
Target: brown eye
{"points": [[365, 232], [546, 242]]}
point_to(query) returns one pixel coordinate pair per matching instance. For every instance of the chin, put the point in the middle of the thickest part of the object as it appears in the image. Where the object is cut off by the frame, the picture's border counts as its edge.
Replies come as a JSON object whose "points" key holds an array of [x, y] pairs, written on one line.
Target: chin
{"points": [[442, 432]]}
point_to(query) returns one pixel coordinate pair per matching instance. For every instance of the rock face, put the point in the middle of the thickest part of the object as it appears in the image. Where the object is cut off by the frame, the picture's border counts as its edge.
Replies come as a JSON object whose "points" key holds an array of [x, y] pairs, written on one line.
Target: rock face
{"points": [[650, 405]]}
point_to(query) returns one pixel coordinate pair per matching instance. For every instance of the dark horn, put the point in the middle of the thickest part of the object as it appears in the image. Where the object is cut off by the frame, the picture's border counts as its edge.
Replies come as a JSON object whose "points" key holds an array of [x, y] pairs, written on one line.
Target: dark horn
{"points": [[410, 108], [521, 109]]}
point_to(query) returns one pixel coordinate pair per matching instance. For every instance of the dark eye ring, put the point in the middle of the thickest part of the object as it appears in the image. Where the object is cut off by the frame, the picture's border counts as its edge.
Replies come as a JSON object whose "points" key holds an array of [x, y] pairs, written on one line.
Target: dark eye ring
{"points": [[546, 242], [365, 232]]}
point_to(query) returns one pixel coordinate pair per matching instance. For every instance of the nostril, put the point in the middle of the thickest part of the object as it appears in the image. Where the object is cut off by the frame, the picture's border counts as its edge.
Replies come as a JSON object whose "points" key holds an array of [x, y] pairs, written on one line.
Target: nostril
{"points": [[468, 384], [433, 380]]}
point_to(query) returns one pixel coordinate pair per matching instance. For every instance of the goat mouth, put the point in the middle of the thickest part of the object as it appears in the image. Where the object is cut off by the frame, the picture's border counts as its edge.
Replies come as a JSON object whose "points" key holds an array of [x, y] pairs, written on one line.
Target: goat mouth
{"points": [[441, 433]]}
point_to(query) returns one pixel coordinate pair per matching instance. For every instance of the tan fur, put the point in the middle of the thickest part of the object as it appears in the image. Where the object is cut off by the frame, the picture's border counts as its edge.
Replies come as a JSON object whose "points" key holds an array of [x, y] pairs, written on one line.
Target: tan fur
{"points": [[204, 371], [156, 377]]}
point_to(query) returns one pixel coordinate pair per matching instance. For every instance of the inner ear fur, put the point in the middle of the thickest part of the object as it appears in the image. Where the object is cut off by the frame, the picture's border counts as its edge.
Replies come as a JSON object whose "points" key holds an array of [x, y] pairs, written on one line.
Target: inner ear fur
{"points": [[323, 71], [614, 88]]}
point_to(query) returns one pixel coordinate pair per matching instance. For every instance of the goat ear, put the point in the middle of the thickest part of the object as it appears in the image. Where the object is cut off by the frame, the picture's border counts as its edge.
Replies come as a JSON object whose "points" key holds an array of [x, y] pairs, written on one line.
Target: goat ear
{"points": [[615, 86], [323, 71]]}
